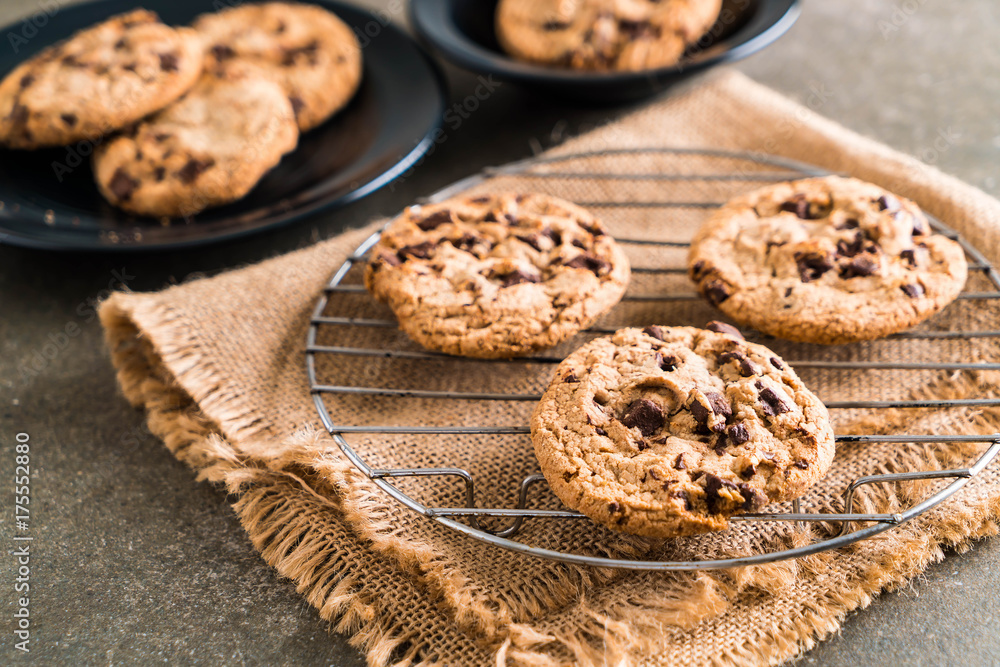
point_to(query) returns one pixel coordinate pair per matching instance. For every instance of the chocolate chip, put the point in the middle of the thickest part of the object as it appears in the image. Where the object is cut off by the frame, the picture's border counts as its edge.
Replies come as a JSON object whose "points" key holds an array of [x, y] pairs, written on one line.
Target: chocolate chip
{"points": [[716, 292], [858, 267], [168, 62], [738, 433], [788, 292], [718, 405], [684, 496], [720, 444], [130, 67], [652, 473], [654, 332], [799, 206], [753, 499], [666, 362], [713, 485], [390, 258], [747, 367], [222, 52], [910, 256], [550, 26], [593, 228], [888, 203], [468, 241], [638, 29], [552, 235], [161, 136], [570, 377], [697, 475], [121, 44], [160, 172], [503, 219], [802, 465], [600, 431], [749, 472], [71, 61], [481, 200], [434, 220], [515, 277], [853, 248], [812, 265], [772, 403], [679, 463], [913, 290], [850, 223], [280, 28], [297, 104], [645, 415], [308, 50], [919, 228], [69, 118], [122, 185], [777, 363], [192, 169], [614, 508], [723, 328], [419, 251], [590, 262], [642, 445], [534, 240], [698, 270], [700, 412], [27, 80]]}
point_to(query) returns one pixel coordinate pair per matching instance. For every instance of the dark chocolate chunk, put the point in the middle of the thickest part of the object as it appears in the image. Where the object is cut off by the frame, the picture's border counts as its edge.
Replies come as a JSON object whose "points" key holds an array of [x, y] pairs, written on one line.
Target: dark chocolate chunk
{"points": [[222, 52], [434, 220], [122, 185], [683, 495], [913, 290], [593, 228], [590, 262], [614, 508], [697, 475], [515, 277], [858, 267], [551, 234], [679, 463], [121, 44], [713, 485], [812, 265], [492, 217], [531, 239], [550, 26], [161, 136], [280, 28], [738, 433], [716, 292], [642, 445], [577, 243], [788, 291], [654, 331], [777, 363], [723, 328], [600, 431], [747, 367], [130, 66], [698, 270], [850, 223], [798, 205], [419, 251], [308, 50], [749, 472], [27, 80], [69, 118], [160, 172], [888, 203], [771, 402], [909, 256], [480, 200], [192, 169], [853, 248], [645, 415], [666, 362], [638, 29], [168, 62], [570, 377], [652, 473], [802, 465], [720, 404], [919, 228], [753, 499]]}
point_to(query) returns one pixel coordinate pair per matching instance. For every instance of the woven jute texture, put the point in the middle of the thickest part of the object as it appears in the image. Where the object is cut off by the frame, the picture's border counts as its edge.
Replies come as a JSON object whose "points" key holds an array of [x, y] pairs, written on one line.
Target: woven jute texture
{"points": [[218, 365]]}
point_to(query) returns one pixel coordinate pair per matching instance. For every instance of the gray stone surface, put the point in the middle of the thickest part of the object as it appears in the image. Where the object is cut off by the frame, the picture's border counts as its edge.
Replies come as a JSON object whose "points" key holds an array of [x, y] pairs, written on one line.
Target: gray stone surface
{"points": [[134, 562]]}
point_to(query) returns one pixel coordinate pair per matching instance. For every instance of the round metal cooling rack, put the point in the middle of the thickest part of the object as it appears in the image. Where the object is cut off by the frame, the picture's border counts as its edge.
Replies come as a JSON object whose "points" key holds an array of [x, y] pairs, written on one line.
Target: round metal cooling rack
{"points": [[467, 519]]}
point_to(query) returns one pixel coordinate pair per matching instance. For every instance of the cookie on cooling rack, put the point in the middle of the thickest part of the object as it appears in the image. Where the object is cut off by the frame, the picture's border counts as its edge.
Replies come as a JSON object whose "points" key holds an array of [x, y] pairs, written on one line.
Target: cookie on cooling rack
{"points": [[98, 81], [603, 34], [496, 276], [306, 49], [667, 431], [825, 260]]}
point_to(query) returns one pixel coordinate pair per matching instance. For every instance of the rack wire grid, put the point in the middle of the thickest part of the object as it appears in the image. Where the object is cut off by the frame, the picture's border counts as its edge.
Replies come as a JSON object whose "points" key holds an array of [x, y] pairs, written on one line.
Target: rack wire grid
{"points": [[502, 526]]}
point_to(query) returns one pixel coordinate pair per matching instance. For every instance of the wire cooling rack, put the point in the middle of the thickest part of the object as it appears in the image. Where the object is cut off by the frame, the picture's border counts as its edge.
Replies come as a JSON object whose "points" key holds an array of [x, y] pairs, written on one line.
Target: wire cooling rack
{"points": [[503, 526]]}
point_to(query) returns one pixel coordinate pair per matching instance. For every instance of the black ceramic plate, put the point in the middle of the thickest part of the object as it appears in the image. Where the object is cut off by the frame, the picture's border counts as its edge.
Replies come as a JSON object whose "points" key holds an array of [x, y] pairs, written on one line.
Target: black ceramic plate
{"points": [[463, 31], [381, 133]]}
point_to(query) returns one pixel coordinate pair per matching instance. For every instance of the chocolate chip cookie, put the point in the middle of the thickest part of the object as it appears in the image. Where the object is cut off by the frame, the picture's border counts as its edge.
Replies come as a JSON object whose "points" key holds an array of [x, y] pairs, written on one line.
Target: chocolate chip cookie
{"points": [[667, 431], [98, 81], [825, 260], [307, 50], [603, 34], [496, 276], [189, 156]]}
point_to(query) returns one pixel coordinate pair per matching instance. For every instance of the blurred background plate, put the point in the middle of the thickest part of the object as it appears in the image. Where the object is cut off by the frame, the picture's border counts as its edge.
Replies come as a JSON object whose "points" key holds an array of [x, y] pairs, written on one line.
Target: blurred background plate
{"points": [[463, 32], [378, 136]]}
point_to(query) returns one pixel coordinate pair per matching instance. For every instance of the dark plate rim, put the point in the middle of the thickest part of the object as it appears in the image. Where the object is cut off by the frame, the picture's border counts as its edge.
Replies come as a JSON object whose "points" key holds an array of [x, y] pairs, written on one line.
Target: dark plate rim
{"points": [[331, 202], [432, 23]]}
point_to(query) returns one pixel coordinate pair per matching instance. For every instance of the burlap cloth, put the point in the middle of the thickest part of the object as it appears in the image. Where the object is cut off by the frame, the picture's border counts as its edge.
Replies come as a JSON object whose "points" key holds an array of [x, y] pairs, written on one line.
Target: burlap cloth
{"points": [[218, 365]]}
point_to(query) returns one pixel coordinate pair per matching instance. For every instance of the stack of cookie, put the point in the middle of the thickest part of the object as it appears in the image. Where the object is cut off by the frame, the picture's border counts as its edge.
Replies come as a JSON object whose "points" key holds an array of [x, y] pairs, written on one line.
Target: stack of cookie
{"points": [[603, 35], [184, 118], [668, 431]]}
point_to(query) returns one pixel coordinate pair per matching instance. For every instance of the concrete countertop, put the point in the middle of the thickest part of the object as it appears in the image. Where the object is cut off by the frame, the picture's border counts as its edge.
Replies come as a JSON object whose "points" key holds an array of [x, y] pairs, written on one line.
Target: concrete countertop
{"points": [[135, 562]]}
